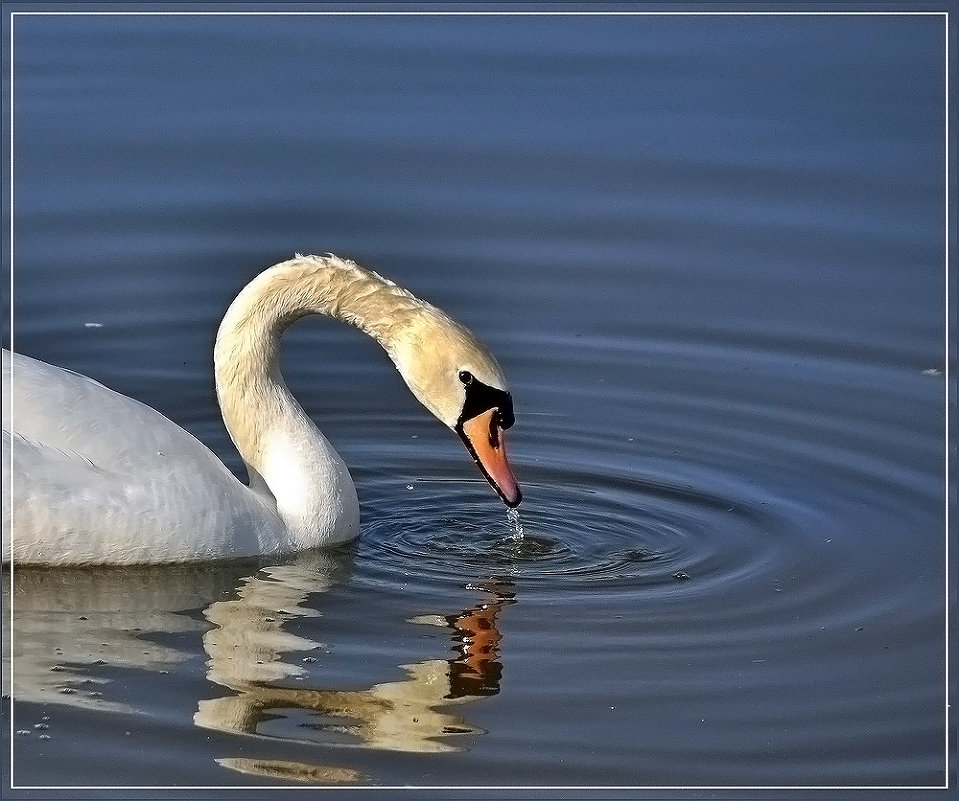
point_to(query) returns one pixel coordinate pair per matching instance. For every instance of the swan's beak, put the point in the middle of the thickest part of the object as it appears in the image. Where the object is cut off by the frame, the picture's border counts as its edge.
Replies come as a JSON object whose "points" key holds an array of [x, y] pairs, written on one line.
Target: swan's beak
{"points": [[483, 437]]}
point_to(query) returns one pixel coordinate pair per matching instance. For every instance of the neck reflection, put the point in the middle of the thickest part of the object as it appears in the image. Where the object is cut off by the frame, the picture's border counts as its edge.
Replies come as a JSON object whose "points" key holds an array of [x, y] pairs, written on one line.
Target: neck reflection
{"points": [[248, 651]]}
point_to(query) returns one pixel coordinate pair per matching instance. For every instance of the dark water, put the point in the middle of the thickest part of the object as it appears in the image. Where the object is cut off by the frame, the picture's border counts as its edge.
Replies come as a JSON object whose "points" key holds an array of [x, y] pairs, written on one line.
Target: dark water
{"points": [[710, 254]]}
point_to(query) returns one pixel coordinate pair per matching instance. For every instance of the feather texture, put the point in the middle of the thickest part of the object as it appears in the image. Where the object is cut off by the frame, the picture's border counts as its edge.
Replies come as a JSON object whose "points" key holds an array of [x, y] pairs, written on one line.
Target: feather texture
{"points": [[92, 476]]}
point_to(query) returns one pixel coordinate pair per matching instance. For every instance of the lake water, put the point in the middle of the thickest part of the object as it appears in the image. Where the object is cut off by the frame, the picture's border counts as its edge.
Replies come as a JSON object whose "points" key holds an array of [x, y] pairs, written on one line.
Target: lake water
{"points": [[709, 252]]}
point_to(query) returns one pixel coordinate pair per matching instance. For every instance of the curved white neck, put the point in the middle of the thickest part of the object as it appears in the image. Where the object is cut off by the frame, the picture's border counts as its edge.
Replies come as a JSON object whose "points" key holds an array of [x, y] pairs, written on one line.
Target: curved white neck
{"points": [[285, 453]]}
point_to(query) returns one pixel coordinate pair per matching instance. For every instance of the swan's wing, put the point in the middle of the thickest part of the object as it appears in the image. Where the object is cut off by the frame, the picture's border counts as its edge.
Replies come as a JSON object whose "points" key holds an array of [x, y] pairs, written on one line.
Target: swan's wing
{"points": [[68, 411], [96, 476]]}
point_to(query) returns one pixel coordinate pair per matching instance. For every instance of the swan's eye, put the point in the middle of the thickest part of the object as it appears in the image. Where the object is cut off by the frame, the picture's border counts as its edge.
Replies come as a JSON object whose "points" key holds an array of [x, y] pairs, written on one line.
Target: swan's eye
{"points": [[466, 376]]}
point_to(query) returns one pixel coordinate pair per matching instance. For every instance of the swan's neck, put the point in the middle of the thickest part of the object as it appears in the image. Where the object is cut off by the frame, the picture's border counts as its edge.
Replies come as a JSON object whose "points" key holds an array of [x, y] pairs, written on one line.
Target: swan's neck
{"points": [[285, 454]]}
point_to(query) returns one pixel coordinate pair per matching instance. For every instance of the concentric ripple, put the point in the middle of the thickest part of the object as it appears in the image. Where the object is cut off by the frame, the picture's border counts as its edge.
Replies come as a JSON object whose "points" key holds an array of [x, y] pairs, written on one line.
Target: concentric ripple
{"points": [[626, 535], [752, 515]]}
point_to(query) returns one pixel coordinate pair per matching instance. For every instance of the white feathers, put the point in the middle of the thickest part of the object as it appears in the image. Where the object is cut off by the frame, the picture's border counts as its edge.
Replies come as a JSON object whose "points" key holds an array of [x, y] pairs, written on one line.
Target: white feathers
{"points": [[99, 477], [91, 476]]}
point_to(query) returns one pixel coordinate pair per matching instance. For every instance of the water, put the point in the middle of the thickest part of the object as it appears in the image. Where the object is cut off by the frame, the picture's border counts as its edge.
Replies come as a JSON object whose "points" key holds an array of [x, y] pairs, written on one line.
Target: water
{"points": [[708, 252], [512, 516]]}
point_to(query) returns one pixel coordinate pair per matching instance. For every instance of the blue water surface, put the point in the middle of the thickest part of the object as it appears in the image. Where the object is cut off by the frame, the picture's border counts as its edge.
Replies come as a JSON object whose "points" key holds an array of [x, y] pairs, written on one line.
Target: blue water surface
{"points": [[709, 252]]}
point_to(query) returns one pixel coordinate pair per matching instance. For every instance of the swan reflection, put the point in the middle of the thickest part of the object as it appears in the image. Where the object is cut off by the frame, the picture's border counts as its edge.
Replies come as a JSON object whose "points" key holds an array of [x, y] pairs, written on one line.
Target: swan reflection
{"points": [[415, 714], [76, 631]]}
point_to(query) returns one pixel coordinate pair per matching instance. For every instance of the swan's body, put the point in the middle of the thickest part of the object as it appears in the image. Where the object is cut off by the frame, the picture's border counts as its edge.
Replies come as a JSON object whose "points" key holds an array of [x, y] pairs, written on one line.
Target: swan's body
{"points": [[91, 476]]}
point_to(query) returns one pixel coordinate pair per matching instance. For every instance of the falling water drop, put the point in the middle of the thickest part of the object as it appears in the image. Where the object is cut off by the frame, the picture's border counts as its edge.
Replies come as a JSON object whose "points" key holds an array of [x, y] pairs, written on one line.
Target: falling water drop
{"points": [[512, 515]]}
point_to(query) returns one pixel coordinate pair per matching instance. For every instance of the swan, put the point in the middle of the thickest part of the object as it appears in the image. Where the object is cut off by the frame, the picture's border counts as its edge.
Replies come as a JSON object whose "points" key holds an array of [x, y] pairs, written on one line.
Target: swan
{"points": [[93, 477]]}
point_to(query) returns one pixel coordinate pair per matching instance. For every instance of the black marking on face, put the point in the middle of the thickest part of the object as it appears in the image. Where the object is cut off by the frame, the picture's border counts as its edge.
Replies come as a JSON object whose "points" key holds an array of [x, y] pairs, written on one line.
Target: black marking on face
{"points": [[481, 398]]}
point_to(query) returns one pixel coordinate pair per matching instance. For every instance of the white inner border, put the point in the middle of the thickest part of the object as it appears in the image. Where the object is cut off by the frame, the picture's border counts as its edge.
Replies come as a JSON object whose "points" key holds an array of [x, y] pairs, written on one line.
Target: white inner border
{"points": [[944, 14]]}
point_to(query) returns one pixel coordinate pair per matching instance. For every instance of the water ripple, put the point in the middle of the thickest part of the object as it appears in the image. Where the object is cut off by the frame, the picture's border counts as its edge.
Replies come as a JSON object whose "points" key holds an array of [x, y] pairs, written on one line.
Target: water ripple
{"points": [[620, 534]]}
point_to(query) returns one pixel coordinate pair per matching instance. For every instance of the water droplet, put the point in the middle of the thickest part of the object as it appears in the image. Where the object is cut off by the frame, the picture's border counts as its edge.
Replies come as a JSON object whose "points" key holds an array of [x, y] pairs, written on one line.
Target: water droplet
{"points": [[512, 517]]}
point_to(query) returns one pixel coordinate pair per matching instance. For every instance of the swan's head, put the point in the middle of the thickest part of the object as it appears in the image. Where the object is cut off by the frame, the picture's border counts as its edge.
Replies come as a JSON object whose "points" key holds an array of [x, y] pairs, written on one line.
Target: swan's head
{"points": [[454, 376]]}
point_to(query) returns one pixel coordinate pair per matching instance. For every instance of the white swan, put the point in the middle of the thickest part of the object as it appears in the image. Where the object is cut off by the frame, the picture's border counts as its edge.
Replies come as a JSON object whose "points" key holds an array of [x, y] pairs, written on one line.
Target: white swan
{"points": [[91, 476]]}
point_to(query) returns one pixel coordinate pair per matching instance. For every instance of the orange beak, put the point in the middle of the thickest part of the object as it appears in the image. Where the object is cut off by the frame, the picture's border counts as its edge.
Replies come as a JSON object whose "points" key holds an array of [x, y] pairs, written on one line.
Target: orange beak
{"points": [[483, 438]]}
